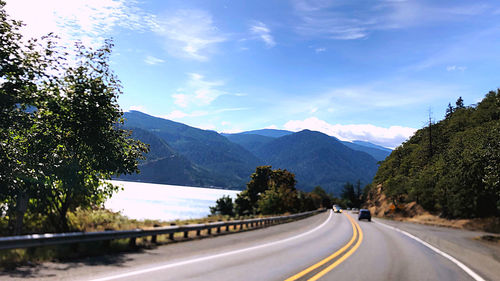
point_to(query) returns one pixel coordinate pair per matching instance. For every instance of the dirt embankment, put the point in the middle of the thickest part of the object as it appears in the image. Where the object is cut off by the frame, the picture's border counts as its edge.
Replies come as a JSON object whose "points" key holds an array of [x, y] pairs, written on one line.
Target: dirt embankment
{"points": [[380, 206]]}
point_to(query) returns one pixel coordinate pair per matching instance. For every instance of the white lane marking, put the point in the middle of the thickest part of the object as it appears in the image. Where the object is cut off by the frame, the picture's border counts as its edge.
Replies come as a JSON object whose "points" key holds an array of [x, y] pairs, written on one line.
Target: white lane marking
{"points": [[469, 271], [132, 273]]}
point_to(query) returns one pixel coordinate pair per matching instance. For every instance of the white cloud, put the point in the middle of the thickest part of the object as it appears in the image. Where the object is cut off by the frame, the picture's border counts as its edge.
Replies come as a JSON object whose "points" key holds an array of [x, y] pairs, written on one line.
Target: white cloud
{"points": [[178, 114], [198, 91], [153, 60], [90, 21], [274, 127], [263, 33], [456, 68], [137, 108], [388, 137], [187, 33], [319, 50]]}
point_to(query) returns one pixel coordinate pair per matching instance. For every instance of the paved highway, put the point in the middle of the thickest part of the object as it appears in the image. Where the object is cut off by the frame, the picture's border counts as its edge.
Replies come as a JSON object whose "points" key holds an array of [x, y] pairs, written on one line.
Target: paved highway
{"points": [[323, 247]]}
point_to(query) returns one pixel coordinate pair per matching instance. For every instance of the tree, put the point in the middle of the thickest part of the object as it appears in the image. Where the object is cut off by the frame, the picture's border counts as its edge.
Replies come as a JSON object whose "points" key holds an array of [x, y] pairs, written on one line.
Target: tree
{"points": [[223, 206], [459, 103], [59, 129], [325, 200], [246, 201], [449, 111]]}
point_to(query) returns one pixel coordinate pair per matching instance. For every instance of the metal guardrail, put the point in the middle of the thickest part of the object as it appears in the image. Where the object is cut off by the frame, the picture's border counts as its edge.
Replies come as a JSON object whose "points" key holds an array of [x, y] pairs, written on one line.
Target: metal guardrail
{"points": [[36, 240]]}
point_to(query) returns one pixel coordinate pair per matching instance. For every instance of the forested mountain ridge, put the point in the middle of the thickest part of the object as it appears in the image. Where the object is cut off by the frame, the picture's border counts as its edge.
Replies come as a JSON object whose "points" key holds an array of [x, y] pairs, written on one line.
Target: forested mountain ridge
{"points": [[451, 167], [318, 159], [206, 149], [180, 154], [254, 140]]}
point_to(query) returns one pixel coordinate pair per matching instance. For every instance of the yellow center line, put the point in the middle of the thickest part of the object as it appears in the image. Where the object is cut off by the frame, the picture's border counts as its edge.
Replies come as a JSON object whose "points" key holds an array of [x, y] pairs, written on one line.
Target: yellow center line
{"points": [[350, 252], [329, 258]]}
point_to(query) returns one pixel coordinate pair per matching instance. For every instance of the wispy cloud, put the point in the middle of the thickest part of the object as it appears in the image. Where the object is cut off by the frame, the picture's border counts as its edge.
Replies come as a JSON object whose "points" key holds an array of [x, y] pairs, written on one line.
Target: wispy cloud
{"points": [[198, 91], [263, 33], [389, 137], [456, 68], [187, 33], [340, 20], [151, 60], [88, 21], [319, 50]]}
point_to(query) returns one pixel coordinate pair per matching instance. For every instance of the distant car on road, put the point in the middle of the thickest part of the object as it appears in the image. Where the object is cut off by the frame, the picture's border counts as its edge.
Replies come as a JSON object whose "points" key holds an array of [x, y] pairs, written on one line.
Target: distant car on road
{"points": [[365, 214], [336, 209]]}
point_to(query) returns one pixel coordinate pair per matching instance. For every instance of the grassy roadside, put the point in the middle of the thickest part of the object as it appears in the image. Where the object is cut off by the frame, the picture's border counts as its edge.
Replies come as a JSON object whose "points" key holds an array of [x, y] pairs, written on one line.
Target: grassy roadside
{"points": [[100, 220]]}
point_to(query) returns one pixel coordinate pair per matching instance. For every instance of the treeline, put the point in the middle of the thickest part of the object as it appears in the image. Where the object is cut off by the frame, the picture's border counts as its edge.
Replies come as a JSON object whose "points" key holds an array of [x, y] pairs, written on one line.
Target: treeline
{"points": [[451, 167], [58, 131], [272, 192]]}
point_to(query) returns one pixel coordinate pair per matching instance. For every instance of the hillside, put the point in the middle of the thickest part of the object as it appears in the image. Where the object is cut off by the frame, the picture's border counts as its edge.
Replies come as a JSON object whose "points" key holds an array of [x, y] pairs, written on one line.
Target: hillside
{"points": [[376, 151], [318, 159], [227, 161], [451, 168], [251, 142], [254, 140], [164, 165]]}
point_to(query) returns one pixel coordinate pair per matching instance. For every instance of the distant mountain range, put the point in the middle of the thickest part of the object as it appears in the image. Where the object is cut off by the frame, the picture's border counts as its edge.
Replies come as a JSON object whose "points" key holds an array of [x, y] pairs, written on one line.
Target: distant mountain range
{"points": [[183, 155]]}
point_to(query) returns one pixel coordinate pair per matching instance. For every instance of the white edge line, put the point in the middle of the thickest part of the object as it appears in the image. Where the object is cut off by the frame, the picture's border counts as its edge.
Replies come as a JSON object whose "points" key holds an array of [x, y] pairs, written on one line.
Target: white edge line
{"points": [[469, 271], [132, 273]]}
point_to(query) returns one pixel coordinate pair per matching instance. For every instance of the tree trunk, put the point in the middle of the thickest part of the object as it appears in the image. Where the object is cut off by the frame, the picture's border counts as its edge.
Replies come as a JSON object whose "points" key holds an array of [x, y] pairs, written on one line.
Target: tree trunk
{"points": [[16, 220]]}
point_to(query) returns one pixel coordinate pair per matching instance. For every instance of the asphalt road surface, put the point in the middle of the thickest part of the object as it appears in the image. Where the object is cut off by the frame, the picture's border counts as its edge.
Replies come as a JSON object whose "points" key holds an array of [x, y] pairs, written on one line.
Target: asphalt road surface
{"points": [[327, 246]]}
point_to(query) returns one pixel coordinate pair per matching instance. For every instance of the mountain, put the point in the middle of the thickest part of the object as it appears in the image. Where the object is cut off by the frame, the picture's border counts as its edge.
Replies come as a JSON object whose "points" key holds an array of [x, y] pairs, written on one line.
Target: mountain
{"points": [[224, 160], [376, 151], [251, 142], [164, 165], [273, 133], [318, 159]]}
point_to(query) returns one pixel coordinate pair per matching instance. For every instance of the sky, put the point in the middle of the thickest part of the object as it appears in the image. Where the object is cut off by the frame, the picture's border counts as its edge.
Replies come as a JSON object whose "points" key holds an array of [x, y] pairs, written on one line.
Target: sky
{"points": [[357, 70]]}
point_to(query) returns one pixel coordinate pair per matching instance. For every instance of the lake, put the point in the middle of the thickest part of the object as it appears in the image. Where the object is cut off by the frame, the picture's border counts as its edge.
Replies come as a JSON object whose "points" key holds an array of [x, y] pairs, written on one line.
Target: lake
{"points": [[164, 202]]}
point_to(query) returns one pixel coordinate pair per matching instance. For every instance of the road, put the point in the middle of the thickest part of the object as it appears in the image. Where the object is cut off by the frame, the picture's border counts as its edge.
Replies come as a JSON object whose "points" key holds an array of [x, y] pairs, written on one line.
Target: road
{"points": [[323, 247]]}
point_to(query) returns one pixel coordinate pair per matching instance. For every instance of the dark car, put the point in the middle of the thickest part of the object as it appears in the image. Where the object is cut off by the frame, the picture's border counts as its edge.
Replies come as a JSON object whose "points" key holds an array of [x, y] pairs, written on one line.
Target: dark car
{"points": [[365, 214]]}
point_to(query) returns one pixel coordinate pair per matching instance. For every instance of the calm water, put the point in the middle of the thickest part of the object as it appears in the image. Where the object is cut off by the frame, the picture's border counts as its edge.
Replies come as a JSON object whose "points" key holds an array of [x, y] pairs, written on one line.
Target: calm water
{"points": [[164, 202]]}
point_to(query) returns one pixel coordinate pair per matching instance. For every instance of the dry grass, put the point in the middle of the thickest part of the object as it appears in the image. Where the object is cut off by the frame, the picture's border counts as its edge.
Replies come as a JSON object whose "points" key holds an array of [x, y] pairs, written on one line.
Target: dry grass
{"points": [[380, 206]]}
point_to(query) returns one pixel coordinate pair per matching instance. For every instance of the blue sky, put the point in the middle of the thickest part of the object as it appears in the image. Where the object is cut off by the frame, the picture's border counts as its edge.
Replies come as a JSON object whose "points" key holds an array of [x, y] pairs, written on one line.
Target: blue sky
{"points": [[366, 70]]}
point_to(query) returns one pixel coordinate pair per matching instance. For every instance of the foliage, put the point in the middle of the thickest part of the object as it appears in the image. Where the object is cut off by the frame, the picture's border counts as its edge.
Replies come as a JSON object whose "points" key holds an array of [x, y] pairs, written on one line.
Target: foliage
{"points": [[223, 206], [59, 134], [461, 178]]}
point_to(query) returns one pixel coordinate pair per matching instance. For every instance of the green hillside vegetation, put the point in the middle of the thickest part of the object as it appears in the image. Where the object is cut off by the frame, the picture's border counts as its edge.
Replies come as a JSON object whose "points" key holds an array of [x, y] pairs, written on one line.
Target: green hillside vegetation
{"points": [[318, 159], [451, 167], [250, 142], [163, 165]]}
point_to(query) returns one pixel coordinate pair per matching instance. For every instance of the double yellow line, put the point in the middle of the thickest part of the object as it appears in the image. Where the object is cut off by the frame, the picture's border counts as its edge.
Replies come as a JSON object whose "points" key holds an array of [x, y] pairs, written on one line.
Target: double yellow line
{"points": [[356, 232]]}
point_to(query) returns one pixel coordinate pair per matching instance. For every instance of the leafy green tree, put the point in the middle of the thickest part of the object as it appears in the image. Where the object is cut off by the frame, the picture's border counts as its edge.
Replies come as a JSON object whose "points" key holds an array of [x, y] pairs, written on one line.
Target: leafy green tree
{"points": [[223, 206], [325, 199], [59, 128], [246, 201]]}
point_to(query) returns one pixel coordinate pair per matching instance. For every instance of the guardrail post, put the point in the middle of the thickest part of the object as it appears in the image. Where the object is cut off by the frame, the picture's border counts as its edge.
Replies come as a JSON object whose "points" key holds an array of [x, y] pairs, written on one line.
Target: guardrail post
{"points": [[132, 242], [153, 238], [198, 232], [186, 234], [209, 230], [227, 227], [218, 229], [171, 235]]}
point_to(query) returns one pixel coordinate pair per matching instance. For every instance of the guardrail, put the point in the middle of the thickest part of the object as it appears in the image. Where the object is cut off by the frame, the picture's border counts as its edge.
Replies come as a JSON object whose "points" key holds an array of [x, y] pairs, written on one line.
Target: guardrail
{"points": [[36, 240]]}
